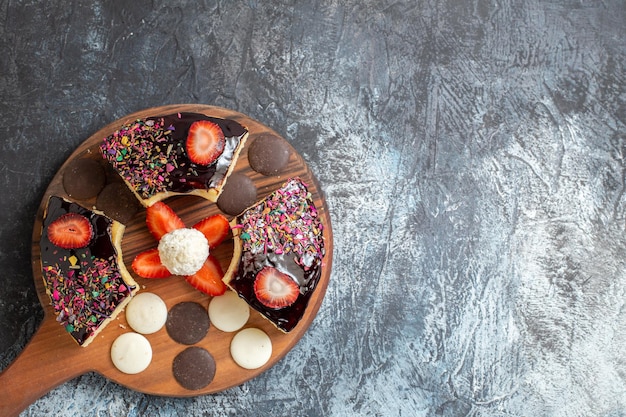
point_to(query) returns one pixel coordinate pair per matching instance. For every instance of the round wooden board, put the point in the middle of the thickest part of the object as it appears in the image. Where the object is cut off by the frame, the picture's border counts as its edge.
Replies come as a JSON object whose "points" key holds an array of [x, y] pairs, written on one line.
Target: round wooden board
{"points": [[52, 357]]}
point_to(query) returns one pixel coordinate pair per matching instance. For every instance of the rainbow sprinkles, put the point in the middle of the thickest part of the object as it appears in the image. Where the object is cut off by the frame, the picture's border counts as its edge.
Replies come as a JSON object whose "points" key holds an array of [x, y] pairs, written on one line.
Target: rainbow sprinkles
{"points": [[150, 156], [87, 286], [283, 231]]}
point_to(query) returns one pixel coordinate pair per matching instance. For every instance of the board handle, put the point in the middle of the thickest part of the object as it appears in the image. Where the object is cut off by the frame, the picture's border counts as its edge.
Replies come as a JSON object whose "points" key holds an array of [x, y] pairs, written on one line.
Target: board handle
{"points": [[42, 365]]}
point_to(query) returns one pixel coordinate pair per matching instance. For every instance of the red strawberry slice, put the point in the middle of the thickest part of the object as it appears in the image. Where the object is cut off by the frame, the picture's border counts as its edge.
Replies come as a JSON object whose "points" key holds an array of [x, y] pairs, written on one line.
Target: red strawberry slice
{"points": [[275, 289], [70, 231], [205, 142], [161, 220], [215, 228], [209, 278], [148, 265]]}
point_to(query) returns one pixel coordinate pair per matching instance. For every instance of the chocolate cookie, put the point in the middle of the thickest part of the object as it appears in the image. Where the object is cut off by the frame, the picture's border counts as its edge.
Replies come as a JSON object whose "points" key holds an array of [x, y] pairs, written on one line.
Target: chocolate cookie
{"points": [[269, 154], [194, 368], [239, 194], [187, 322], [117, 202], [83, 178]]}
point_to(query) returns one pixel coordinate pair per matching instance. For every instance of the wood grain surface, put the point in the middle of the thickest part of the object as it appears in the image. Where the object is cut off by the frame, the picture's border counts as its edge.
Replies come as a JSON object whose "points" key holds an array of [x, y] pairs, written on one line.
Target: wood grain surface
{"points": [[472, 155], [52, 357]]}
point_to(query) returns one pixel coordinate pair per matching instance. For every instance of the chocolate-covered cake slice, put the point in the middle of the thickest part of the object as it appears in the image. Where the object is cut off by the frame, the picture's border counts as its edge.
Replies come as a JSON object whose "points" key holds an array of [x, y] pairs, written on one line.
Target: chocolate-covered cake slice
{"points": [[82, 268], [182, 153], [279, 248]]}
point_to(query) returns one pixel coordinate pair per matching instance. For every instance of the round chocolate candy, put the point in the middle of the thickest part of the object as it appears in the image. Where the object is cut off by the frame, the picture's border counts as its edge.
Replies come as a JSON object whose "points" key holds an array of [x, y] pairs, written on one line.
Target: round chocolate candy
{"points": [[117, 202], [238, 194], [187, 322], [83, 178], [269, 154], [194, 368]]}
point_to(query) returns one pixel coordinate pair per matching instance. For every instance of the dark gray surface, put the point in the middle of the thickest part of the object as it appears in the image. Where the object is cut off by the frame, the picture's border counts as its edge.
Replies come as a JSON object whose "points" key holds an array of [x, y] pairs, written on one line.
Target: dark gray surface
{"points": [[473, 154]]}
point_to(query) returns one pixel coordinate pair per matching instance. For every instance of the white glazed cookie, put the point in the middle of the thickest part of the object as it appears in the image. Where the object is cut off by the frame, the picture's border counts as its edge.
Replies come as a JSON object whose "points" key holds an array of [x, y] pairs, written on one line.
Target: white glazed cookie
{"points": [[228, 312], [251, 348], [131, 353], [146, 313]]}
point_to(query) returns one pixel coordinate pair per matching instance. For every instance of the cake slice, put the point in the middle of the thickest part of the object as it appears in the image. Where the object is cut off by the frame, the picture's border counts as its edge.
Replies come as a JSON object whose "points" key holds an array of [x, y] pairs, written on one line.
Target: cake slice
{"points": [[82, 268], [278, 253], [182, 153]]}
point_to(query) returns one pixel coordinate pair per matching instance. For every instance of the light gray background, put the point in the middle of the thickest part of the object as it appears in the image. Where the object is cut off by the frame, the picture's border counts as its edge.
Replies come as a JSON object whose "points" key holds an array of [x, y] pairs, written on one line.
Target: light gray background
{"points": [[473, 155]]}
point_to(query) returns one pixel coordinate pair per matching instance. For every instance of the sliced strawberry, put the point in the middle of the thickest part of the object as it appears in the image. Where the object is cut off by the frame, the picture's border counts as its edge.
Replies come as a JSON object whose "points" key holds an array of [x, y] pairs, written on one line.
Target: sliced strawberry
{"points": [[148, 265], [161, 219], [205, 142], [215, 228], [70, 231], [275, 289], [209, 278]]}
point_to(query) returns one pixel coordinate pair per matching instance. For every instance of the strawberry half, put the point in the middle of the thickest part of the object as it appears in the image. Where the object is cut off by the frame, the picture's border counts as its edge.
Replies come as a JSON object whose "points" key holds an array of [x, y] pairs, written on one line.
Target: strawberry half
{"points": [[148, 265], [215, 228], [209, 278], [205, 142], [161, 220], [70, 231], [275, 289]]}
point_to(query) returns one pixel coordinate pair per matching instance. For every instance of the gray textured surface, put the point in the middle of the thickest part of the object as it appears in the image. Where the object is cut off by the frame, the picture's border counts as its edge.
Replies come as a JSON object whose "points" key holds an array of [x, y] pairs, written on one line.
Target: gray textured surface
{"points": [[473, 154]]}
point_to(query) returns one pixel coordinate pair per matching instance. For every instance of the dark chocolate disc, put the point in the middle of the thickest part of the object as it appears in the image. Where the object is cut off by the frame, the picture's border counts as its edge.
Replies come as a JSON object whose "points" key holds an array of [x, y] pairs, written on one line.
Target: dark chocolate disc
{"points": [[238, 194], [117, 202], [194, 368], [187, 322], [269, 154], [83, 178]]}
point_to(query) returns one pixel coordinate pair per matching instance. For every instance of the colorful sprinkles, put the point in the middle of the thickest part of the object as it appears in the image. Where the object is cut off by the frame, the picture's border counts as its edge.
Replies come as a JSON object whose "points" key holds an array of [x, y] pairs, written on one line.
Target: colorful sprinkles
{"points": [[286, 223], [143, 154], [284, 231], [150, 155], [84, 292], [85, 285]]}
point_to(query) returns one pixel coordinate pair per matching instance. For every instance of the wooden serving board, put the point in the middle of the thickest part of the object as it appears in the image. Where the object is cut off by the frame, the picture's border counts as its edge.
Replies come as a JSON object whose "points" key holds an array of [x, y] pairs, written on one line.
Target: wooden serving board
{"points": [[52, 357]]}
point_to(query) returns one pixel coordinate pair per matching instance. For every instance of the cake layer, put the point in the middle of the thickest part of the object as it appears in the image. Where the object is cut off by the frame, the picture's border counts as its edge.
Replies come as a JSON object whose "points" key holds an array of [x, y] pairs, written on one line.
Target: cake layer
{"points": [[151, 156], [282, 234], [87, 286]]}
